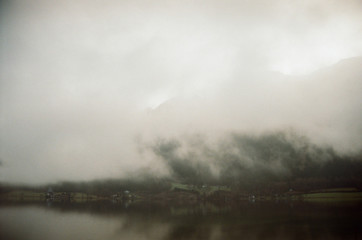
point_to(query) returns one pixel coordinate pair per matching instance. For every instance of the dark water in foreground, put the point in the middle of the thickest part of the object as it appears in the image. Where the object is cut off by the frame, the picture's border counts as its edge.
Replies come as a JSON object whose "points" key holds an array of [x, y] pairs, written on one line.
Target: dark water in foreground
{"points": [[296, 220]]}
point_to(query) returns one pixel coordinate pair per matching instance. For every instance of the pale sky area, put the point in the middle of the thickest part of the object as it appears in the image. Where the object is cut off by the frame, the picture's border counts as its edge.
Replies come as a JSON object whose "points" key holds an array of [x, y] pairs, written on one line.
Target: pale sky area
{"points": [[85, 84]]}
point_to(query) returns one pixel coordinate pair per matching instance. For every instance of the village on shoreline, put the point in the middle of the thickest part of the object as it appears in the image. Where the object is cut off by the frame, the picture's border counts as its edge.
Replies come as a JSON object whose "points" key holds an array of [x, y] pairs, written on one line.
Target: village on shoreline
{"points": [[181, 193]]}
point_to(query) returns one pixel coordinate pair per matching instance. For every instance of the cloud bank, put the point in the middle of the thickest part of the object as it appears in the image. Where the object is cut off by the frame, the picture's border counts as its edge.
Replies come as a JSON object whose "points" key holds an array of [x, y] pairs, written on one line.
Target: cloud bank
{"points": [[85, 86]]}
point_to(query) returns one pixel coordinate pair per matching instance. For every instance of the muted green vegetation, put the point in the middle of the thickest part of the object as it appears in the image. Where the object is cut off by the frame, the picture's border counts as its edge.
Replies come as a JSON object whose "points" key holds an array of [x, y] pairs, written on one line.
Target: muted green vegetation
{"points": [[335, 195]]}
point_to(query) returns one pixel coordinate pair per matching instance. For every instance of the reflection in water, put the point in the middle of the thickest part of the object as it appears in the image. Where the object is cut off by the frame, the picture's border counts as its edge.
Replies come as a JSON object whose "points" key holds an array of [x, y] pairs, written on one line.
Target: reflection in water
{"points": [[205, 221]]}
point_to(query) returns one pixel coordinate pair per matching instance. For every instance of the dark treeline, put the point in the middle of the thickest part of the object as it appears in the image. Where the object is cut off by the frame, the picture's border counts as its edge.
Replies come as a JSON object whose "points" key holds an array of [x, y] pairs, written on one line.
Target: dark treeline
{"points": [[103, 187], [111, 186], [273, 162]]}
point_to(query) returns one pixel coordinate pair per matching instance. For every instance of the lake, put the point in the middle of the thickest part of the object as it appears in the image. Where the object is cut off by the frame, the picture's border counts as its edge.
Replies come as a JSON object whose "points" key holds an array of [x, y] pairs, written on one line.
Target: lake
{"points": [[246, 220]]}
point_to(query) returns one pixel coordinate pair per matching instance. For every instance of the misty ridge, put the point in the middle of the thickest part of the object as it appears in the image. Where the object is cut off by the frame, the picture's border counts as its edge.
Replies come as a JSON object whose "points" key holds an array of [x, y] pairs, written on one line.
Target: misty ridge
{"points": [[180, 119], [87, 94], [246, 161], [269, 163], [225, 140]]}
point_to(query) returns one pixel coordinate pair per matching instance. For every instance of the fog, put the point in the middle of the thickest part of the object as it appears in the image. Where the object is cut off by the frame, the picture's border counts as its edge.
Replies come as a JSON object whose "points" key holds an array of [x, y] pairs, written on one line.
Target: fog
{"points": [[88, 90]]}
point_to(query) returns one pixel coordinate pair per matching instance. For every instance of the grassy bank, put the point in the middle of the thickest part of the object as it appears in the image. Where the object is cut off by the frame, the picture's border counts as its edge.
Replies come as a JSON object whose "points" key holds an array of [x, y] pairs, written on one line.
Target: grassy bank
{"points": [[332, 196]]}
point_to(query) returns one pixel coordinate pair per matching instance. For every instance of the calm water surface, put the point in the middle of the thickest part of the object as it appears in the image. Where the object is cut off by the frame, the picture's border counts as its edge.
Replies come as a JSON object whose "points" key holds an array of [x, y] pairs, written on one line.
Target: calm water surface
{"points": [[250, 221]]}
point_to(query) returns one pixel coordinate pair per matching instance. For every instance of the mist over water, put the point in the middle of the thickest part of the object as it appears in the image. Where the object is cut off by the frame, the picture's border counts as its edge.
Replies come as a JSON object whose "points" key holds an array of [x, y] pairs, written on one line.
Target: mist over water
{"points": [[180, 119]]}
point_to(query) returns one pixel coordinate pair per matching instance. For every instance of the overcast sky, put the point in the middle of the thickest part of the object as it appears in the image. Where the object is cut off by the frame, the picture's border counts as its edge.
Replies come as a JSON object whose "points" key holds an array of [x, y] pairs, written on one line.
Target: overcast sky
{"points": [[85, 84]]}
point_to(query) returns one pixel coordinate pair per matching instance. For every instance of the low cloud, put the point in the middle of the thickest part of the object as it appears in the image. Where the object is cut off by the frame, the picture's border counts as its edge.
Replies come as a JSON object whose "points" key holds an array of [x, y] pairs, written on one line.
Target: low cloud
{"points": [[84, 85], [250, 161]]}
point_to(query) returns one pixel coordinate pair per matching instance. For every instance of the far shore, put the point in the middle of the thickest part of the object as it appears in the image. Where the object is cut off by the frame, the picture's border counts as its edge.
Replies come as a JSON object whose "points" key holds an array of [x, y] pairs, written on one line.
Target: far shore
{"points": [[184, 196]]}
